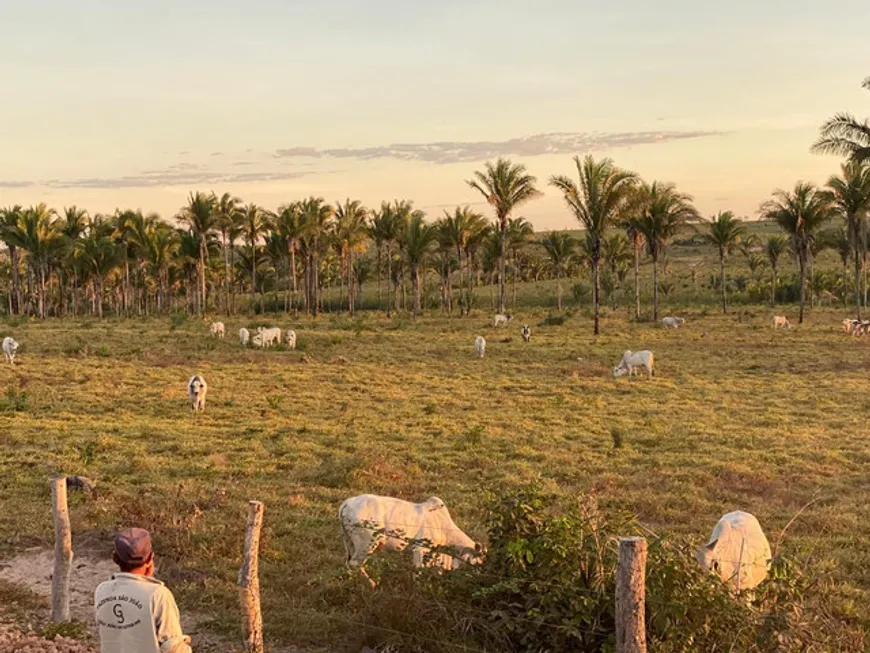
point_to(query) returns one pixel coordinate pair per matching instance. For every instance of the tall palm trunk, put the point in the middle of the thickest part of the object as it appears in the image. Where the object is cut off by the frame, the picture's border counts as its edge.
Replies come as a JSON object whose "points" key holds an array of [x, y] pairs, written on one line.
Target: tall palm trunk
{"points": [[853, 224], [351, 286], [559, 291], [226, 270], [636, 282], [202, 276], [655, 259], [295, 300], [461, 286], [516, 271], [802, 263], [596, 285], [378, 265], [415, 281], [232, 284], [16, 279], [773, 285], [253, 276], [722, 277], [501, 266]]}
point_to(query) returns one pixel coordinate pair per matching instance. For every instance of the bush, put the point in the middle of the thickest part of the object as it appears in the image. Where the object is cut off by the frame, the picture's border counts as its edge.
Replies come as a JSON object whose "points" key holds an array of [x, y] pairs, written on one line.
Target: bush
{"points": [[548, 584]]}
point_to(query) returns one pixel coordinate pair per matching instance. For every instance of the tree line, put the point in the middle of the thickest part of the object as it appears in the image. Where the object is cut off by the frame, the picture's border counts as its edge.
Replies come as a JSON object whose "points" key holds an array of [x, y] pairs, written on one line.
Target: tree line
{"points": [[217, 247]]}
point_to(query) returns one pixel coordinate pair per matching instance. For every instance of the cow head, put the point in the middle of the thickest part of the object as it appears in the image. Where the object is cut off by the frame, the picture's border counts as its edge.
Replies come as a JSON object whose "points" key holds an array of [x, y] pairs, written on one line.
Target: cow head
{"points": [[196, 384], [620, 370], [13, 345], [469, 556], [257, 340]]}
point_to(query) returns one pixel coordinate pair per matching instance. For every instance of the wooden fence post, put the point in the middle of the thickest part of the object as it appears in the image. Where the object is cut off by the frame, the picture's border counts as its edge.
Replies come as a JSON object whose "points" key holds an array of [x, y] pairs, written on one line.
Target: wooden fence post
{"points": [[249, 581], [630, 593], [63, 554]]}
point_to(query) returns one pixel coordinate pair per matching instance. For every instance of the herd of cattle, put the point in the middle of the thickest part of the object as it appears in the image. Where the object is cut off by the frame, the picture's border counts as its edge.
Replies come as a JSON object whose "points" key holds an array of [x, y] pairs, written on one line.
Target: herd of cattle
{"points": [[737, 551]]}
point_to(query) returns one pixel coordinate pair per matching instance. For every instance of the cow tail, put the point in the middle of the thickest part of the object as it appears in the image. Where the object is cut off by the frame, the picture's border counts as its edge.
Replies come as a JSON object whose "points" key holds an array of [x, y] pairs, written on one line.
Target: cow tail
{"points": [[346, 533]]}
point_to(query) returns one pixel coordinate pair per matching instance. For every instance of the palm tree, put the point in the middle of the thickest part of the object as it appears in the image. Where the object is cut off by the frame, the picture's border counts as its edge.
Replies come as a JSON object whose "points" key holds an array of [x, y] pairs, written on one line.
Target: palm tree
{"points": [[199, 216], [774, 248], [100, 255], [351, 227], [254, 225], [418, 242], [661, 214], [560, 248], [41, 239], [73, 226], [227, 213], [505, 186], [316, 217], [724, 233], [10, 231], [844, 135], [402, 212], [597, 203], [850, 193], [289, 224], [519, 231], [800, 213], [616, 250]]}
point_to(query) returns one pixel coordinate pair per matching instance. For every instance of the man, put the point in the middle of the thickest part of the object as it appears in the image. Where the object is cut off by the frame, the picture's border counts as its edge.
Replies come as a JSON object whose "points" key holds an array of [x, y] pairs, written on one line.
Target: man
{"points": [[135, 612]]}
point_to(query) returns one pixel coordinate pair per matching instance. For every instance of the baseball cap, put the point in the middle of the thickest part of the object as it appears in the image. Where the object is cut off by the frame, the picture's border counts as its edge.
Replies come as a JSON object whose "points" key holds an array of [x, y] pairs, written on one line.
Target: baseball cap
{"points": [[133, 547]]}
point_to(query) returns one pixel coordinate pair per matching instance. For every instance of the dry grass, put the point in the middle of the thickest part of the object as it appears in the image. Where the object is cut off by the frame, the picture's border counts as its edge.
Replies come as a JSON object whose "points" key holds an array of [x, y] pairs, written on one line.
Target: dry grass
{"points": [[743, 417]]}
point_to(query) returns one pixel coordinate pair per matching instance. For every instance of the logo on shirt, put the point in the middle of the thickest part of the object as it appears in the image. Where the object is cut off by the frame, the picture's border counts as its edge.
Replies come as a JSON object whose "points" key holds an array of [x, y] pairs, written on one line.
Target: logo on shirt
{"points": [[126, 612]]}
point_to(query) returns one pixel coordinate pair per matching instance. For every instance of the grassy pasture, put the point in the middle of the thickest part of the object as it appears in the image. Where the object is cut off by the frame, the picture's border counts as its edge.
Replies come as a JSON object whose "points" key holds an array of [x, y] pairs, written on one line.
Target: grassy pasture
{"points": [[740, 416]]}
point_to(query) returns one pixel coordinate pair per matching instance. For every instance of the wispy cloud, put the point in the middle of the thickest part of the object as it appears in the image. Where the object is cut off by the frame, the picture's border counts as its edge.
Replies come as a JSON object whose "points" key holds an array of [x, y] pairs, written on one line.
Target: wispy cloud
{"points": [[465, 151], [182, 174]]}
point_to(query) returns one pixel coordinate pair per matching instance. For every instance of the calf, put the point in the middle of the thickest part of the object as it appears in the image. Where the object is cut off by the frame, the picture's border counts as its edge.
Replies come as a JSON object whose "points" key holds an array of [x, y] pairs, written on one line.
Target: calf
{"points": [[672, 322], [9, 348], [781, 321], [290, 339], [480, 346], [217, 329], [631, 360], [196, 389], [526, 333], [738, 551], [370, 523], [244, 336], [502, 319]]}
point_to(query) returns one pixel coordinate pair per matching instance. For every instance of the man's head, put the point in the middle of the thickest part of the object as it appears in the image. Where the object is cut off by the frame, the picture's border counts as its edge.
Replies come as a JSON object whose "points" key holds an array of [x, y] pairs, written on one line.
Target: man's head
{"points": [[133, 552]]}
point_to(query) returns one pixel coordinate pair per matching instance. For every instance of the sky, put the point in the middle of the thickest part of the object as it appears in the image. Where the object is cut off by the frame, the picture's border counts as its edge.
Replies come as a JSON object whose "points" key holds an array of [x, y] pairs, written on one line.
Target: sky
{"points": [[111, 104]]}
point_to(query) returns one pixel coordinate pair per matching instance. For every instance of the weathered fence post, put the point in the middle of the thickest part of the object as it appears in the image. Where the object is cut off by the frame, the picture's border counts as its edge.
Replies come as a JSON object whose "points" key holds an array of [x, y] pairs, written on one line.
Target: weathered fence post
{"points": [[63, 554], [249, 581], [630, 592]]}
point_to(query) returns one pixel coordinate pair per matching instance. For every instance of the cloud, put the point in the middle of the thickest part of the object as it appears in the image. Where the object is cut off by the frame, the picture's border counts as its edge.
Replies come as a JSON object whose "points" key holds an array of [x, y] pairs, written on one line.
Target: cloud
{"points": [[15, 184], [468, 151], [178, 175]]}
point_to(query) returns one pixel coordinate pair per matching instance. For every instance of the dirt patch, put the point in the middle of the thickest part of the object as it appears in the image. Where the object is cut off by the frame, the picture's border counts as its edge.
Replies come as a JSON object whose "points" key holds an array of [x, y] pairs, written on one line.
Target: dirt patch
{"points": [[13, 640]]}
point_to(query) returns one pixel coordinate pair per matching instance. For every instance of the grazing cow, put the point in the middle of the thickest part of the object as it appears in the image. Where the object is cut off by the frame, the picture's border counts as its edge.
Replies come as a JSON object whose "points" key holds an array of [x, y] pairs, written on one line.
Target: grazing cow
{"points": [[244, 336], [849, 325], [267, 337], [526, 332], [631, 360], [781, 321], [9, 348], [480, 346], [217, 329], [370, 523], [196, 389], [502, 319], [672, 322], [290, 339], [860, 327], [738, 551]]}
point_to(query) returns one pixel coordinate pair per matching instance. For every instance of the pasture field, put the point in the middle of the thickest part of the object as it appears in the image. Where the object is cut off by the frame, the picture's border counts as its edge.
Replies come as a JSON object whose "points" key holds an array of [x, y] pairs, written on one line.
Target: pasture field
{"points": [[739, 416]]}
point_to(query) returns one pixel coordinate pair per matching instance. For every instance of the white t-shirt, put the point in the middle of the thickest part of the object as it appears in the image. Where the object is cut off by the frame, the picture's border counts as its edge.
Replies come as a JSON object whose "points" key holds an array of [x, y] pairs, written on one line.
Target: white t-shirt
{"points": [[138, 614]]}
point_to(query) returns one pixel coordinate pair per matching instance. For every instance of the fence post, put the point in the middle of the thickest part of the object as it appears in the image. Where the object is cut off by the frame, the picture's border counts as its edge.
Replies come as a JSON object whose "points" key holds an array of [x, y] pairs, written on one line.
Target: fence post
{"points": [[249, 581], [63, 554], [630, 592]]}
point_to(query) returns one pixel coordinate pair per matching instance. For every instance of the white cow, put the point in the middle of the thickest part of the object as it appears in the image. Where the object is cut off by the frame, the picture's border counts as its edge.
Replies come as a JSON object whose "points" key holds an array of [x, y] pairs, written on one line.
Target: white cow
{"points": [[370, 523], [290, 339], [781, 321], [860, 327], [244, 336], [672, 322], [217, 329], [267, 337], [849, 325], [480, 346], [526, 333], [9, 348], [738, 551], [196, 389], [631, 360], [502, 319]]}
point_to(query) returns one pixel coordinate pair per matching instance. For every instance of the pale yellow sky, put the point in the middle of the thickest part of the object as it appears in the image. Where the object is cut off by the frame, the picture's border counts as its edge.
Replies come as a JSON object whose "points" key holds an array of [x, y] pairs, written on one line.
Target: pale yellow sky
{"points": [[118, 105]]}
